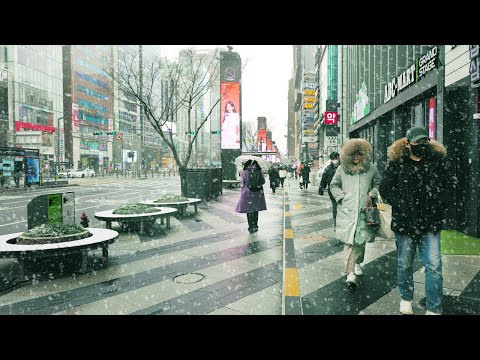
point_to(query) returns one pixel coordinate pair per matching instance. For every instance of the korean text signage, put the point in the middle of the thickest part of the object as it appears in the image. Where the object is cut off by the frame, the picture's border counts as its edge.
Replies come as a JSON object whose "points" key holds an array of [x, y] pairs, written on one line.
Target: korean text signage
{"points": [[412, 74], [474, 63], [308, 96], [331, 118]]}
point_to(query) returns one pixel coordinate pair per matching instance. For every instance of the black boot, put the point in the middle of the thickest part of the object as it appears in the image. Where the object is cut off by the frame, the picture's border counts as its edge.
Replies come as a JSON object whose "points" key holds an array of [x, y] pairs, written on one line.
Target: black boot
{"points": [[255, 221], [250, 222]]}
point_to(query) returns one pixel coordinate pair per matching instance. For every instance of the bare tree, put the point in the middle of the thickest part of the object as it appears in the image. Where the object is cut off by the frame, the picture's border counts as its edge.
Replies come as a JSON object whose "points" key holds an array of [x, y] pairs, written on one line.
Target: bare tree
{"points": [[168, 92], [249, 137]]}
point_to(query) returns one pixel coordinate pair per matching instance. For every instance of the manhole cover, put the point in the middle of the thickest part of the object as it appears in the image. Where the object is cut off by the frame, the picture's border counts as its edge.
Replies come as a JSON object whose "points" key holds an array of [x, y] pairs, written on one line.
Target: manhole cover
{"points": [[188, 278]]}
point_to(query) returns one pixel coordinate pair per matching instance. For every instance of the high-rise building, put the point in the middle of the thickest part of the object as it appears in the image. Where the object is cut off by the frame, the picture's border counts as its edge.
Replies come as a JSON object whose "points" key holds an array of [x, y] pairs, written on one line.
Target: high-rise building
{"points": [[34, 104], [88, 105], [126, 116]]}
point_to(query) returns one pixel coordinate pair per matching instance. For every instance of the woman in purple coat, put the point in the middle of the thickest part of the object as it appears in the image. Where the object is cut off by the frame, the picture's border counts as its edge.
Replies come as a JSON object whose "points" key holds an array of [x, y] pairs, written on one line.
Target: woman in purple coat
{"points": [[251, 202]]}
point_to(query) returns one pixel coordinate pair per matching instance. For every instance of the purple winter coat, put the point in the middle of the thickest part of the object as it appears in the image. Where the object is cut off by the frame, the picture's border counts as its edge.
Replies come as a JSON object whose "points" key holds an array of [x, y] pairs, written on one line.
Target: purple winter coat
{"points": [[250, 201]]}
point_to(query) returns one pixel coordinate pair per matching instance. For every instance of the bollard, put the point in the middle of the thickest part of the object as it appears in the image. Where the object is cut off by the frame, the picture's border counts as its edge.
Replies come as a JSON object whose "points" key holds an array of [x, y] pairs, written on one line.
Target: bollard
{"points": [[84, 220]]}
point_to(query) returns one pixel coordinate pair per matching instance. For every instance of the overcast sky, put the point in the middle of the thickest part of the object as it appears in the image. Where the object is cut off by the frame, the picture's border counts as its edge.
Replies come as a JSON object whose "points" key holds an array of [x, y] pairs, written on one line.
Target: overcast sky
{"points": [[265, 77]]}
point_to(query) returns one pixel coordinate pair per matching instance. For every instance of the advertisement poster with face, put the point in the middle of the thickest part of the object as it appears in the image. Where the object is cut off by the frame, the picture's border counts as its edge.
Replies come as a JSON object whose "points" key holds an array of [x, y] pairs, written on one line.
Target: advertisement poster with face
{"points": [[230, 115]]}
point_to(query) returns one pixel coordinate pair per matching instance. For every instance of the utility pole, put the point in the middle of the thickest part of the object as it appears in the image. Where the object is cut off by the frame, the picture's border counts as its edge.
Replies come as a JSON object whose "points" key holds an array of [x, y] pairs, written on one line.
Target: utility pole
{"points": [[58, 147]]}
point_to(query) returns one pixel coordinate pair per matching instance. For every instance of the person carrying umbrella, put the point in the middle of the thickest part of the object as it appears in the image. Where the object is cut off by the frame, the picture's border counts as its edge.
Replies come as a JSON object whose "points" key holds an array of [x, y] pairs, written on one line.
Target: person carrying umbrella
{"points": [[252, 200]]}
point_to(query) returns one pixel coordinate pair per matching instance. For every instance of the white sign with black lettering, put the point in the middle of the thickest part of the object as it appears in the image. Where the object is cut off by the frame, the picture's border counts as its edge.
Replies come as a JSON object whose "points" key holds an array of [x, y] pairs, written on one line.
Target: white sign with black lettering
{"points": [[427, 62], [307, 139], [332, 141]]}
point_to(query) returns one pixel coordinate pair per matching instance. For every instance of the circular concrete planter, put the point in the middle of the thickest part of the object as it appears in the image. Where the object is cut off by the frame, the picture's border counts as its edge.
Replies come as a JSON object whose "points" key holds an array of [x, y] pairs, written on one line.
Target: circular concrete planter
{"points": [[28, 240]]}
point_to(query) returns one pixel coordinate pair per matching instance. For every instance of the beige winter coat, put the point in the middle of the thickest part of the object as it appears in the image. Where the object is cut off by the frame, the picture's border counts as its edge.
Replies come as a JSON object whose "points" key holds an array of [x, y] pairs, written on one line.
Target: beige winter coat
{"points": [[349, 187]]}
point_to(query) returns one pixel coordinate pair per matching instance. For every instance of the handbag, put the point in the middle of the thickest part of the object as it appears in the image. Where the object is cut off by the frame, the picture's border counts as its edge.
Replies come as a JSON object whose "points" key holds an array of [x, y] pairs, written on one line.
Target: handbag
{"points": [[372, 214], [385, 211]]}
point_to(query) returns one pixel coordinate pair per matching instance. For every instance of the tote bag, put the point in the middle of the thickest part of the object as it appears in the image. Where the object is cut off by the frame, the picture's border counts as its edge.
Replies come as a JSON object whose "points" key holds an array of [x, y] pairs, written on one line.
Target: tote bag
{"points": [[385, 211]]}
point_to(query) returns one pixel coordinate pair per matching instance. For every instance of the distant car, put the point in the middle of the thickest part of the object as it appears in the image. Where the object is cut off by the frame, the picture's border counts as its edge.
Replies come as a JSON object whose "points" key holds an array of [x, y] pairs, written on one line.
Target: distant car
{"points": [[322, 170], [83, 173], [65, 173]]}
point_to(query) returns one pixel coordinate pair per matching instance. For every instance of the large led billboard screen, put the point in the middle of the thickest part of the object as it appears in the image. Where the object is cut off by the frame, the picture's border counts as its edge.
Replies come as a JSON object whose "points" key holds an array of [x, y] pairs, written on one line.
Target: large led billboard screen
{"points": [[230, 115]]}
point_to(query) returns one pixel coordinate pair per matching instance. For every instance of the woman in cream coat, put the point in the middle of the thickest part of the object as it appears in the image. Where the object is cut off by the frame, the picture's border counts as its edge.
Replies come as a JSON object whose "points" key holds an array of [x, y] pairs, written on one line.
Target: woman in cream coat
{"points": [[353, 187]]}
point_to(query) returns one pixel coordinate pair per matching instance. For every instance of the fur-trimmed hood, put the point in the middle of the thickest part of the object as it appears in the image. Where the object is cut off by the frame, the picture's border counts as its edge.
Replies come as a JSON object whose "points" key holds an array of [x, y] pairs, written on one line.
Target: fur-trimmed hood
{"points": [[346, 157], [398, 149]]}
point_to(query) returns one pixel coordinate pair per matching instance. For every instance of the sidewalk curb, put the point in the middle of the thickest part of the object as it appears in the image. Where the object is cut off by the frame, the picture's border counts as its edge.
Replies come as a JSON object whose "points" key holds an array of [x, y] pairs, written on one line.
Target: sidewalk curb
{"points": [[291, 299]]}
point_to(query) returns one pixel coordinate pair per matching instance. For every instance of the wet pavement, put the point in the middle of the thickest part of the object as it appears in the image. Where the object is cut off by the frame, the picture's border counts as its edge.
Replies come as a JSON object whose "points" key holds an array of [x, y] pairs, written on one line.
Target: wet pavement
{"points": [[208, 263]]}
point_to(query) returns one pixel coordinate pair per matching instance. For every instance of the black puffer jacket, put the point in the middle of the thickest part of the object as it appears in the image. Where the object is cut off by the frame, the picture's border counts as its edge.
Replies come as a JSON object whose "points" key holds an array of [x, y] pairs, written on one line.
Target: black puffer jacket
{"points": [[328, 176], [417, 191]]}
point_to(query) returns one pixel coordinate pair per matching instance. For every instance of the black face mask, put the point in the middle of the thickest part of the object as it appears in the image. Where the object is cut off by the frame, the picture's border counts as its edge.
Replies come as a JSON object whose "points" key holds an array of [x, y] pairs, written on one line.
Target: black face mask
{"points": [[419, 150]]}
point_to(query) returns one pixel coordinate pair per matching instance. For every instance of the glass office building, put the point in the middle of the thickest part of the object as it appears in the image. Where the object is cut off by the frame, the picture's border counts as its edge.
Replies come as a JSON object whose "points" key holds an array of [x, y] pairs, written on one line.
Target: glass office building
{"points": [[35, 100]]}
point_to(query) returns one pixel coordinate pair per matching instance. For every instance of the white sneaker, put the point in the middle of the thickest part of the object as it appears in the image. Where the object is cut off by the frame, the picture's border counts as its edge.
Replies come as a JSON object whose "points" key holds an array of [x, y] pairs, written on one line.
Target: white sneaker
{"points": [[406, 307], [358, 270], [431, 313], [351, 278]]}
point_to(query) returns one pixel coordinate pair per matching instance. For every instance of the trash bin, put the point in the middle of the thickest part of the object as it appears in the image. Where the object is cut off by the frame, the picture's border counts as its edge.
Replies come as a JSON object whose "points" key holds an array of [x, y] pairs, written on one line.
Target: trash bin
{"points": [[204, 184], [194, 184]]}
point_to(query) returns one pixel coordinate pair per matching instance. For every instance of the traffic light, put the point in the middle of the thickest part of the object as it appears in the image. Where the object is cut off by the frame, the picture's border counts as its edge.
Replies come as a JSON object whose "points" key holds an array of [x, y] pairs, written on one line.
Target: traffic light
{"points": [[111, 133], [215, 132], [190, 133], [97, 133], [130, 154]]}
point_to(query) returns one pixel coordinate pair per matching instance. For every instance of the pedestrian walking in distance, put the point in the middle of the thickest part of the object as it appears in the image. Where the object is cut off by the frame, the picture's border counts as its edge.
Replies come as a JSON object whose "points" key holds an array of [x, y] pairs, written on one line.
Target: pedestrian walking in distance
{"points": [[252, 197], [283, 174], [417, 184], [305, 172], [274, 178], [353, 186]]}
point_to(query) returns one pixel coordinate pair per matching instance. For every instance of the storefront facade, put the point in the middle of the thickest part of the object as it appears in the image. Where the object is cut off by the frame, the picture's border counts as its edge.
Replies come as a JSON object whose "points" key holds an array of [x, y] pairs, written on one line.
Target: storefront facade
{"points": [[435, 90]]}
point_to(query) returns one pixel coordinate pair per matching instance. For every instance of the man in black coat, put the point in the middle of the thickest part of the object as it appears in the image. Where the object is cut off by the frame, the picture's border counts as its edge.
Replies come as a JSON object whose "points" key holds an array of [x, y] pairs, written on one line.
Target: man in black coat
{"points": [[305, 176], [417, 184], [327, 179], [274, 178]]}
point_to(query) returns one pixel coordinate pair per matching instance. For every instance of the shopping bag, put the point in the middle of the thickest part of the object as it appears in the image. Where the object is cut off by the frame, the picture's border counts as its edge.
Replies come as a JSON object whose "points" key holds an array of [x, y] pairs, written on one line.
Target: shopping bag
{"points": [[385, 213]]}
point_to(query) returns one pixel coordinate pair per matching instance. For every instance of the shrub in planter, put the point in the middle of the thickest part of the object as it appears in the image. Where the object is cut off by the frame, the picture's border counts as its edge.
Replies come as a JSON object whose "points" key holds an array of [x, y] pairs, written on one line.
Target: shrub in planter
{"points": [[171, 198], [134, 224], [52, 233], [134, 209]]}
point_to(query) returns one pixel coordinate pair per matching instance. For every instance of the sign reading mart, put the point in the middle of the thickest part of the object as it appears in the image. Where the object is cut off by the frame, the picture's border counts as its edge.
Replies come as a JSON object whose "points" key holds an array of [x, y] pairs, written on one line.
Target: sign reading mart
{"points": [[412, 74]]}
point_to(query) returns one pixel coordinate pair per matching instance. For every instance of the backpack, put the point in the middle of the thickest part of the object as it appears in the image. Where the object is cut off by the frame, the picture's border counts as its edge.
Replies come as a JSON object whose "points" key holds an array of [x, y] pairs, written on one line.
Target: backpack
{"points": [[255, 180]]}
